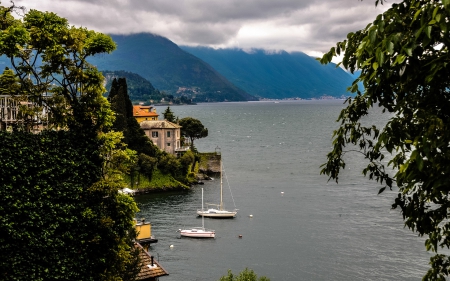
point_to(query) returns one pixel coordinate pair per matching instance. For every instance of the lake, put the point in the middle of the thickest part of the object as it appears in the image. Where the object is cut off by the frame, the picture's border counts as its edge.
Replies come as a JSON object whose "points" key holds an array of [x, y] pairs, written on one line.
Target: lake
{"points": [[302, 226]]}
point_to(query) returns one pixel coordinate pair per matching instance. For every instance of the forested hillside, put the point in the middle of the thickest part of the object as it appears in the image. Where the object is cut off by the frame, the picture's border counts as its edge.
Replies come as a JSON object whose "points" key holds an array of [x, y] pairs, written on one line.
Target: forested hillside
{"points": [[276, 74], [169, 68], [139, 88]]}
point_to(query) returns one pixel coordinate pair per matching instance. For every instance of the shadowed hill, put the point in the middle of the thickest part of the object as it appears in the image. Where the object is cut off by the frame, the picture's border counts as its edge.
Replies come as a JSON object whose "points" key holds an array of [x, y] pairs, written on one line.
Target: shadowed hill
{"points": [[276, 75], [169, 68]]}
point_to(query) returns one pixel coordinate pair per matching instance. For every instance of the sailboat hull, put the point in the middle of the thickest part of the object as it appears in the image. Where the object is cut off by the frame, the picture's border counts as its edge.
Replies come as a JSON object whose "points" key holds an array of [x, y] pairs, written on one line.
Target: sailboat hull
{"points": [[213, 213], [198, 233]]}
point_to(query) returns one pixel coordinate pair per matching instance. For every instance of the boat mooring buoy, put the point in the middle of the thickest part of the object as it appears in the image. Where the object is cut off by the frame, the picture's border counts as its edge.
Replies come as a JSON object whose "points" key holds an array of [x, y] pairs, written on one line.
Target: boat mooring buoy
{"points": [[251, 216], [282, 193], [171, 246]]}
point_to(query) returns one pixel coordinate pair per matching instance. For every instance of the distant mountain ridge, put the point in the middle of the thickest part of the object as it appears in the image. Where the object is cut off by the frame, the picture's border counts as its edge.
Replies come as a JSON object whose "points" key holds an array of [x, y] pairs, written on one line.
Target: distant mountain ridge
{"points": [[168, 68], [201, 74], [276, 75]]}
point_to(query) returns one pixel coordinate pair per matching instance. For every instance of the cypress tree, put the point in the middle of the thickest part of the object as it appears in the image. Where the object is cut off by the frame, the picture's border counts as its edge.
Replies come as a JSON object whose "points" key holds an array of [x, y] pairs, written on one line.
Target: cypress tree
{"points": [[125, 122], [169, 116], [118, 105]]}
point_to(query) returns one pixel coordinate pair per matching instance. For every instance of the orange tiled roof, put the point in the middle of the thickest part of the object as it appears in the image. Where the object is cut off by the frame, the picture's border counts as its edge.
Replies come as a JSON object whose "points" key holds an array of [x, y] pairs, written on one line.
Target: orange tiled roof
{"points": [[149, 272], [144, 111]]}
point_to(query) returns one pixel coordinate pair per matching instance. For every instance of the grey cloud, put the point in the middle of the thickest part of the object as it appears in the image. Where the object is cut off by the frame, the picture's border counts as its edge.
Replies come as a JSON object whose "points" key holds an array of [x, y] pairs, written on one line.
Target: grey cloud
{"points": [[316, 25], [209, 34]]}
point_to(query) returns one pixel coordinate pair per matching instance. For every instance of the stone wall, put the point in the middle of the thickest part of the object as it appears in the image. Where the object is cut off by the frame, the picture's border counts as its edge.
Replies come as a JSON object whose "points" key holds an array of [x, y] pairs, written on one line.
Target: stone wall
{"points": [[209, 163]]}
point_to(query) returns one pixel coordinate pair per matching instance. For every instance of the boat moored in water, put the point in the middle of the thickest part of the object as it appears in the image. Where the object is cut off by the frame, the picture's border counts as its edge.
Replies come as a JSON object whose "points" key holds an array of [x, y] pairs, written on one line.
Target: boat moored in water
{"points": [[198, 232], [219, 211]]}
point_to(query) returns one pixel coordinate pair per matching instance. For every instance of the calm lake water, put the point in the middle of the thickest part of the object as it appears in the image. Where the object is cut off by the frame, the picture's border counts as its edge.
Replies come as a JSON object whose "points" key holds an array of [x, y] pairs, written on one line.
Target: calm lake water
{"points": [[314, 230]]}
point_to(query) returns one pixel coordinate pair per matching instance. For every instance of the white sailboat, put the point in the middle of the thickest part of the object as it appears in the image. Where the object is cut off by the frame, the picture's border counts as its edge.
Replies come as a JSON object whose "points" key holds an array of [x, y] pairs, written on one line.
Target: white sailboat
{"points": [[219, 211], [198, 232]]}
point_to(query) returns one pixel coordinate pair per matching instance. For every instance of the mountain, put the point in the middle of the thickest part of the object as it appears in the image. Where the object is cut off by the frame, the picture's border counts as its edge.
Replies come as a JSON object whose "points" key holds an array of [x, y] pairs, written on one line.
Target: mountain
{"points": [[276, 75], [168, 68], [200, 74], [139, 88]]}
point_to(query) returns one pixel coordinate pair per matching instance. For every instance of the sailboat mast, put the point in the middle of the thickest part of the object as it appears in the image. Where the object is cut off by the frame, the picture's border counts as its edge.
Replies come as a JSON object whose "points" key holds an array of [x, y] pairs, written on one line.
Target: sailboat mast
{"points": [[203, 217], [221, 183]]}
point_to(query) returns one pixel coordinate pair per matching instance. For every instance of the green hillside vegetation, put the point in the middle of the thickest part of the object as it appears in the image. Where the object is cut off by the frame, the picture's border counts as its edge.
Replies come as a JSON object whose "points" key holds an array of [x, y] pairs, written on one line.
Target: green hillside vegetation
{"points": [[139, 88], [169, 68], [158, 182], [141, 91], [276, 75]]}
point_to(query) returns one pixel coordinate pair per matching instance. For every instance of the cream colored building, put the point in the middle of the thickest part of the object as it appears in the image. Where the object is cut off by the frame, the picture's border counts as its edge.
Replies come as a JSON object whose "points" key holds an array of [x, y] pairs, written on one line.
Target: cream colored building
{"points": [[164, 134]]}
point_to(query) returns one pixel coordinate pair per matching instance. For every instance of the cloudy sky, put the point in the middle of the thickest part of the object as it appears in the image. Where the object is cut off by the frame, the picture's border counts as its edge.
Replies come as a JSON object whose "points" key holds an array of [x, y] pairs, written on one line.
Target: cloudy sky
{"points": [[310, 26]]}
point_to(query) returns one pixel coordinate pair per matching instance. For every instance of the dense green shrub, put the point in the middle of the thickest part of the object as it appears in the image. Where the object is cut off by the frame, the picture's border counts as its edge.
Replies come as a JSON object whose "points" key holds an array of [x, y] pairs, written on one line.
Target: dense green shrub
{"points": [[58, 218]]}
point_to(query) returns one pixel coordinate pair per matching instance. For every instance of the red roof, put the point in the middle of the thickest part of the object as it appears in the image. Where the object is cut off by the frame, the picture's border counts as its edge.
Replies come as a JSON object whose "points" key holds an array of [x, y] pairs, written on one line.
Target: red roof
{"points": [[144, 111]]}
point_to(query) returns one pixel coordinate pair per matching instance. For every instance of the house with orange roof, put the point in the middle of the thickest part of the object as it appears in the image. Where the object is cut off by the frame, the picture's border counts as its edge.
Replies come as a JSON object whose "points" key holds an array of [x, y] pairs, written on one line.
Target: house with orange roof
{"points": [[164, 134], [144, 113]]}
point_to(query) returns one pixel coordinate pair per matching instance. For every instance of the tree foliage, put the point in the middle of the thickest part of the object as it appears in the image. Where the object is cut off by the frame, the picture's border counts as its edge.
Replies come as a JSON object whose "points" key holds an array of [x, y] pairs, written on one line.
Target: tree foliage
{"points": [[403, 57], [62, 217], [169, 116], [59, 219], [49, 59], [147, 165], [245, 275], [192, 129], [125, 122]]}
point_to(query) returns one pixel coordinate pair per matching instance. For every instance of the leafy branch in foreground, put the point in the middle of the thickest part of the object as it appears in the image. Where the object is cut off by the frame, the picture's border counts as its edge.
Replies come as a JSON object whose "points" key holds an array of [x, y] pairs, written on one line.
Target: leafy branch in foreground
{"points": [[403, 58]]}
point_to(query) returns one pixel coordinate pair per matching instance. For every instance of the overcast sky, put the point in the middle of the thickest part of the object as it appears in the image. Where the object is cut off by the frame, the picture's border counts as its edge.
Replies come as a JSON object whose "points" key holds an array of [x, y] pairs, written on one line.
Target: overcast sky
{"points": [[310, 26]]}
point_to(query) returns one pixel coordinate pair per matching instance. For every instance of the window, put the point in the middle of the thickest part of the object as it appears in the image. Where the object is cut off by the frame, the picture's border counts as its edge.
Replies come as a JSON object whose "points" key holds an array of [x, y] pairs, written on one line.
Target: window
{"points": [[154, 134], [168, 134], [168, 144]]}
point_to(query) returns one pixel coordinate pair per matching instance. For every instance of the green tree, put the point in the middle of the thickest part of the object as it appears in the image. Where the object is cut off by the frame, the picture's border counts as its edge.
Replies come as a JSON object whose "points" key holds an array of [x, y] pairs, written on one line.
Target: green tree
{"points": [[168, 164], [9, 83], [60, 204], [49, 59], [403, 58], [169, 116], [118, 103], [125, 122], [245, 275], [192, 129], [147, 165]]}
